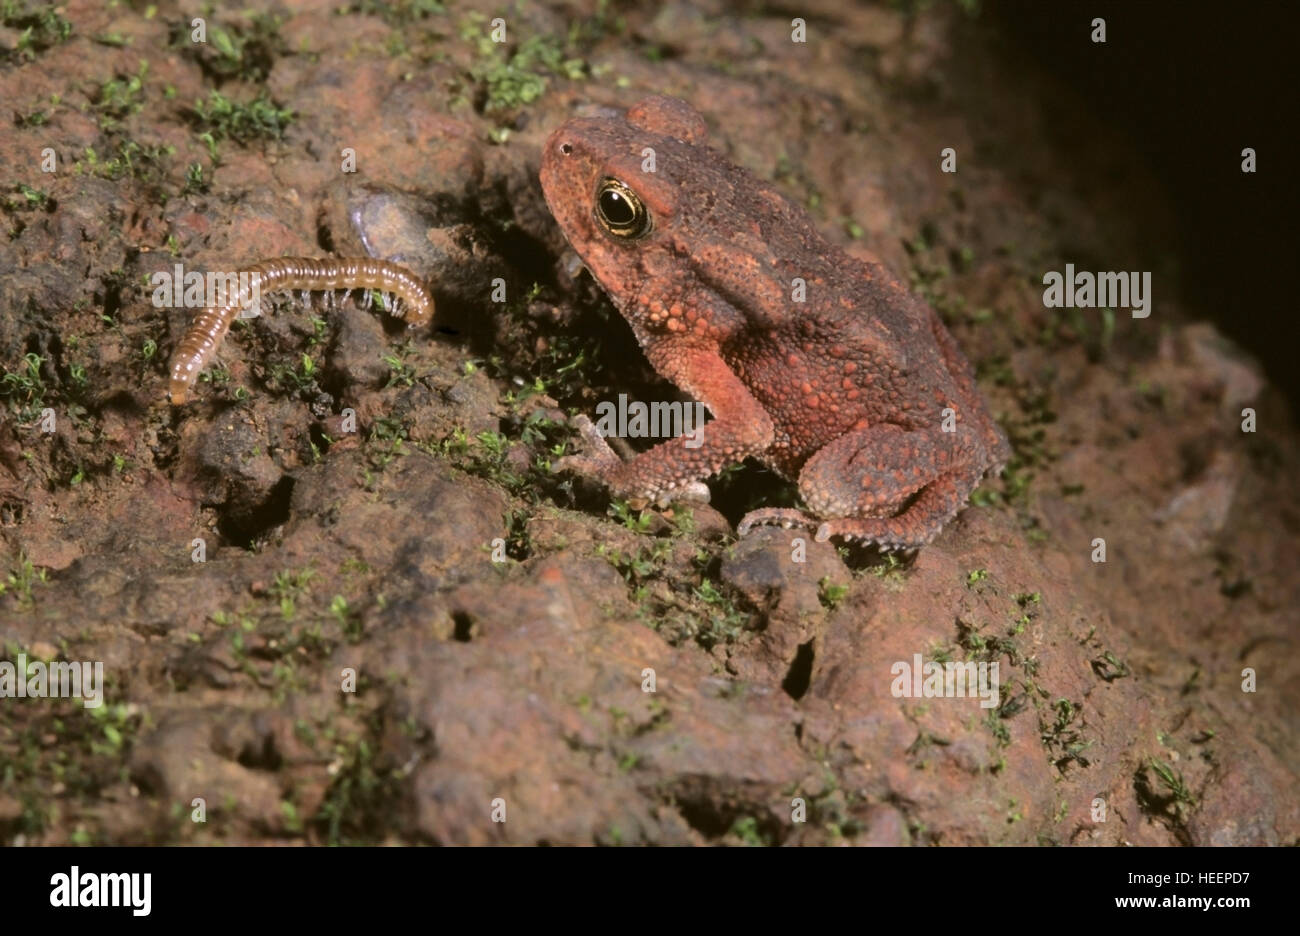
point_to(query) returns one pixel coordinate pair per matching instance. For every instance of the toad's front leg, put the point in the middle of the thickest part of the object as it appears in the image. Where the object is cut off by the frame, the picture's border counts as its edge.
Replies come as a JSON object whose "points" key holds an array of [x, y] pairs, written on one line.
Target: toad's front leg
{"points": [[672, 469]]}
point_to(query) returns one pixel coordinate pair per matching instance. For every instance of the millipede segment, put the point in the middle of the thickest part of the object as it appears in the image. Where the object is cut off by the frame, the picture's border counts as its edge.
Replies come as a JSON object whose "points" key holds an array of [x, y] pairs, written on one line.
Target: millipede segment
{"points": [[287, 274]]}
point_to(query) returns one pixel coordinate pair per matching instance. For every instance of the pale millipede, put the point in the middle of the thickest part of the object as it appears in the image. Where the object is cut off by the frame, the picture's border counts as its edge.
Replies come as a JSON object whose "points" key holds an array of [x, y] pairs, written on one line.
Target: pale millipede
{"points": [[284, 274]]}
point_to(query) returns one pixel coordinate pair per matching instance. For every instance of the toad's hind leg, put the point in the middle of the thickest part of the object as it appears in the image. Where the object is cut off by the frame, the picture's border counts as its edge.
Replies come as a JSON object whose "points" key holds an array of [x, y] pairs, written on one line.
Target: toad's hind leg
{"points": [[860, 481]]}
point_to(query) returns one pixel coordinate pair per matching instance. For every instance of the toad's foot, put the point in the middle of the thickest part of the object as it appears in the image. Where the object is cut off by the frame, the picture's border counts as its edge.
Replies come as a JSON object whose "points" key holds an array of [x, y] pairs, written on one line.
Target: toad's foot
{"points": [[602, 463], [869, 531], [883, 534], [787, 517], [599, 461]]}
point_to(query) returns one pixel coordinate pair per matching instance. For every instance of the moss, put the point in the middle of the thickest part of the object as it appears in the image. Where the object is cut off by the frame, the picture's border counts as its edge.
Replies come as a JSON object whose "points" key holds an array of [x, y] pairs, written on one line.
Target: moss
{"points": [[396, 13], [120, 97], [242, 51], [510, 79], [830, 594], [221, 118], [39, 28]]}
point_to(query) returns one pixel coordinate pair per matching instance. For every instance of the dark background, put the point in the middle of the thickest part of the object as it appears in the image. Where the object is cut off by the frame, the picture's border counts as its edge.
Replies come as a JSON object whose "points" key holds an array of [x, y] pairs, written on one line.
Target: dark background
{"points": [[1191, 84]]}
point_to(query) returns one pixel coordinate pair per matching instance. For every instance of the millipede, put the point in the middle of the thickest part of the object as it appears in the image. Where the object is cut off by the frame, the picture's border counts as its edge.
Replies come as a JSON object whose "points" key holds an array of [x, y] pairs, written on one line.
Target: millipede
{"points": [[294, 274]]}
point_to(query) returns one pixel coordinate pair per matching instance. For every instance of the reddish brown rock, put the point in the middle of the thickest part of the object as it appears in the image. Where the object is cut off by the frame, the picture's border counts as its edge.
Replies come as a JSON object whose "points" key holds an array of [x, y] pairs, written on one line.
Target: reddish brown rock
{"points": [[392, 627]]}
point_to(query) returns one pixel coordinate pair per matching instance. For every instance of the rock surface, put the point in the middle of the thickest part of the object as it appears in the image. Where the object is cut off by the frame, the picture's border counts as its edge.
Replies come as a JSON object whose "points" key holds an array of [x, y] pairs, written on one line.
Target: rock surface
{"points": [[406, 624]]}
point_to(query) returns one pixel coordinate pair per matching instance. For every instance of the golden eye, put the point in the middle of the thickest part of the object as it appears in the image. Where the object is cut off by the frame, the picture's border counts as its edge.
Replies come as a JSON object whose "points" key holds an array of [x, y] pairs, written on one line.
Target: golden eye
{"points": [[620, 211]]}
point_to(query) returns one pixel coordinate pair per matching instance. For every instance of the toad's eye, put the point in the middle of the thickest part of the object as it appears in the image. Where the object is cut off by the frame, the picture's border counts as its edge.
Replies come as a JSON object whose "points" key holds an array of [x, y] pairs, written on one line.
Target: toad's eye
{"points": [[621, 211]]}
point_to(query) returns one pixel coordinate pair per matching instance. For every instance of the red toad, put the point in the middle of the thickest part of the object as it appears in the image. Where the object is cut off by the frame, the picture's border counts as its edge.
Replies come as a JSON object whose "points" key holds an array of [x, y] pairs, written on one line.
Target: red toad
{"points": [[850, 391]]}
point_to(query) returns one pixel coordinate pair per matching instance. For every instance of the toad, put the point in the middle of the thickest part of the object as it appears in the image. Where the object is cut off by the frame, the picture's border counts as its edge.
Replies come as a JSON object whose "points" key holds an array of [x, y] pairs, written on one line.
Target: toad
{"points": [[820, 365]]}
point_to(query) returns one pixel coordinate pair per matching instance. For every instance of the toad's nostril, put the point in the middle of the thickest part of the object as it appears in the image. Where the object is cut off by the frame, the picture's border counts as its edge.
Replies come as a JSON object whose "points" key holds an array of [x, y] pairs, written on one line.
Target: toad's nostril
{"points": [[566, 149]]}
